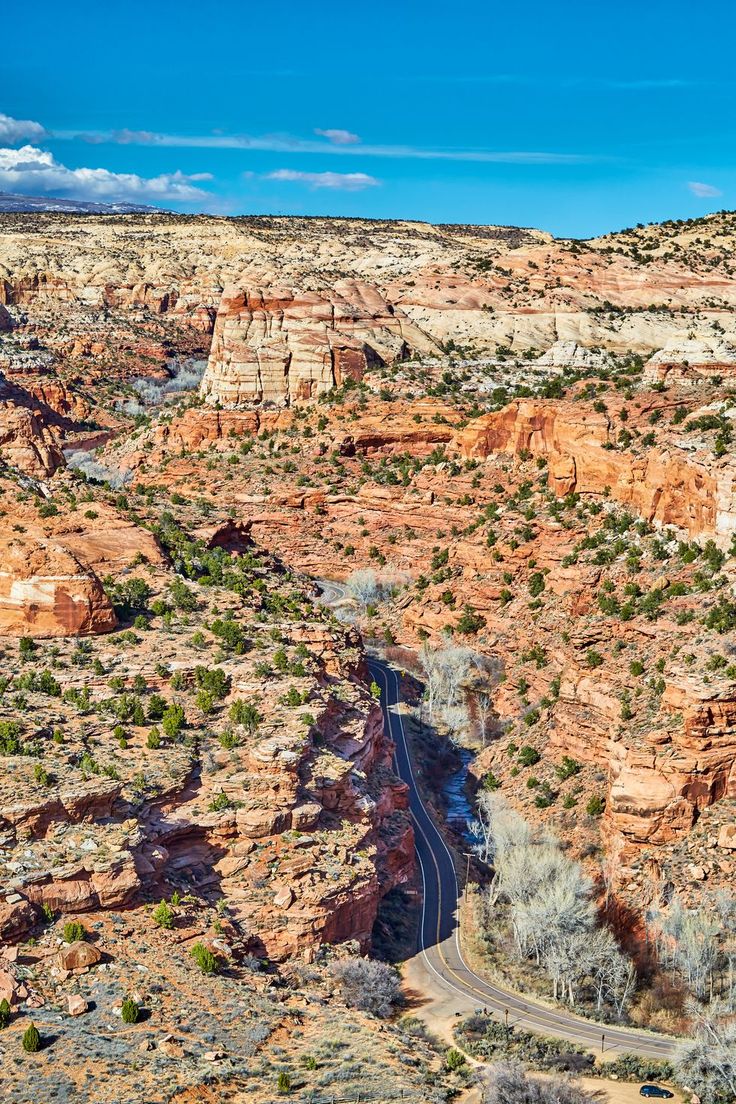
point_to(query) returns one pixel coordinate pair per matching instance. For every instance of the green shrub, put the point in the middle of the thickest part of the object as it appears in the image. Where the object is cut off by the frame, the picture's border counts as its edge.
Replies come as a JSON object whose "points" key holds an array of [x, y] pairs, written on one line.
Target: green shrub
{"points": [[73, 931], [568, 768], [528, 756], [31, 1041], [219, 802], [595, 806], [245, 713], [454, 1059], [130, 1011], [284, 1084], [205, 959], [536, 584], [163, 915], [4, 1013]]}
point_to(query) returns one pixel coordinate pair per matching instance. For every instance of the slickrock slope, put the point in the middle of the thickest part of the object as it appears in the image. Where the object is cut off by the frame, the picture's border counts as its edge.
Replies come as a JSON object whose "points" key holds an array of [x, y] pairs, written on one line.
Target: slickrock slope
{"points": [[275, 346], [46, 591]]}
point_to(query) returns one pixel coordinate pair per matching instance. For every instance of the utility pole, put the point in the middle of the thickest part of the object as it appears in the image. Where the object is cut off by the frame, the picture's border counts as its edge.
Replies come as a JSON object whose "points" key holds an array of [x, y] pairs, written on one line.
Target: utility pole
{"points": [[468, 856], [603, 1040]]}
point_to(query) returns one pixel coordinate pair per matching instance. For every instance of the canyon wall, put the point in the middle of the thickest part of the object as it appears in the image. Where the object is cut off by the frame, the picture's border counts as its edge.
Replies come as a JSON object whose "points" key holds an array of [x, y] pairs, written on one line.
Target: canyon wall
{"points": [[670, 485]]}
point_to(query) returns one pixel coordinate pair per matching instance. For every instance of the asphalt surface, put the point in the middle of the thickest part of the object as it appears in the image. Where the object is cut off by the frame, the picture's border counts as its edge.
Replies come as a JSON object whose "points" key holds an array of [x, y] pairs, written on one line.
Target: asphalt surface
{"points": [[439, 937]]}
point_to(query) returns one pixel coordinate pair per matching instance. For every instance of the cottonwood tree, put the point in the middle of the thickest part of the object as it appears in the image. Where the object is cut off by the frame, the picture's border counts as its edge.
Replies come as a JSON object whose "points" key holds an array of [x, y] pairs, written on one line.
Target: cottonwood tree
{"points": [[445, 670], [688, 946], [707, 1064], [365, 587], [594, 958], [484, 711], [550, 908]]}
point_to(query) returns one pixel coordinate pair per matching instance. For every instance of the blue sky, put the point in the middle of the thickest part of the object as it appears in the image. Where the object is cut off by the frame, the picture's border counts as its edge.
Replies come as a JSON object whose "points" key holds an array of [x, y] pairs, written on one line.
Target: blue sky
{"points": [[573, 117]]}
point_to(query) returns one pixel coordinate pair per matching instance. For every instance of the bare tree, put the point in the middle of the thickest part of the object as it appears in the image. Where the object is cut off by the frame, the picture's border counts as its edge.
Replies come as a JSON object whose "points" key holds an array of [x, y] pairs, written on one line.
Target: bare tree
{"points": [[369, 985], [706, 1065], [445, 671], [689, 946], [364, 587], [550, 908], [484, 711], [508, 1083]]}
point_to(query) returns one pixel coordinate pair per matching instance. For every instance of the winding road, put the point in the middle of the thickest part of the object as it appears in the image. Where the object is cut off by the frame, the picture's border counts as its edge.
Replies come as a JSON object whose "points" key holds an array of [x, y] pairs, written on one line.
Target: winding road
{"points": [[446, 975]]}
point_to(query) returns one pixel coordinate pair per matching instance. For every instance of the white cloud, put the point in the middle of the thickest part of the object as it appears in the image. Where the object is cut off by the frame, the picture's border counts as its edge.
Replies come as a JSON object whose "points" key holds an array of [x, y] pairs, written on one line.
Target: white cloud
{"points": [[339, 137], [287, 144], [347, 182], [127, 137], [703, 191], [31, 170], [14, 130]]}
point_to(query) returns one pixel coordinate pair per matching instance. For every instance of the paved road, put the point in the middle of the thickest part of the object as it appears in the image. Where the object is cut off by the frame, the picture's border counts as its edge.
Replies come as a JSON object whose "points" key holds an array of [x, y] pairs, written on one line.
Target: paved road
{"points": [[447, 974], [439, 943]]}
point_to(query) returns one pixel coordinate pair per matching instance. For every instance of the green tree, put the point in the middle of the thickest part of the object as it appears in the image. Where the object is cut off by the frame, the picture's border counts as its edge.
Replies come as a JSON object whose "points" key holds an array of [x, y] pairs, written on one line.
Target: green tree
{"points": [[245, 713], [31, 1041], [454, 1059], [73, 931], [163, 915]]}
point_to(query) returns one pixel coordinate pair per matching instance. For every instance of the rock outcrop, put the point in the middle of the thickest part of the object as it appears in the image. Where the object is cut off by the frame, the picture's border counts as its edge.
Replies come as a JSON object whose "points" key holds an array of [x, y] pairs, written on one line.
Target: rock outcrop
{"points": [[45, 590], [26, 440], [692, 360], [275, 345]]}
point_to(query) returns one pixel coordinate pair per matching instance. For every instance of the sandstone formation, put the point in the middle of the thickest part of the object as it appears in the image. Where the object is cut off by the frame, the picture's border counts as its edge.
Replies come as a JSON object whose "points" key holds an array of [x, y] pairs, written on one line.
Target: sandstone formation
{"points": [[528, 440], [275, 345], [46, 591], [668, 486], [692, 360], [26, 440]]}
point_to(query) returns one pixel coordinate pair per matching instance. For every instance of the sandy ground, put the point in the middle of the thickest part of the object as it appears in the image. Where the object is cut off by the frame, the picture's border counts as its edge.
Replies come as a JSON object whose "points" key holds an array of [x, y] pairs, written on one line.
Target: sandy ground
{"points": [[440, 1013]]}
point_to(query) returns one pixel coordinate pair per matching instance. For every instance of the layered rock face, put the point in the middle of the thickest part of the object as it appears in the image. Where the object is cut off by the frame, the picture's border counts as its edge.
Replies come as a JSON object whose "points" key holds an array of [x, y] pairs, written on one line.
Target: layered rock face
{"points": [[27, 442], [692, 361], [667, 485], [46, 591], [276, 345], [295, 818], [673, 764]]}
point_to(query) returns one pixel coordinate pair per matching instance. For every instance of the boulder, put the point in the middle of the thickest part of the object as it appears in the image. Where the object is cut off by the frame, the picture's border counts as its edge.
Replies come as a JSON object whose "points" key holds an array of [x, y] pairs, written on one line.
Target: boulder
{"points": [[77, 956], [76, 1005]]}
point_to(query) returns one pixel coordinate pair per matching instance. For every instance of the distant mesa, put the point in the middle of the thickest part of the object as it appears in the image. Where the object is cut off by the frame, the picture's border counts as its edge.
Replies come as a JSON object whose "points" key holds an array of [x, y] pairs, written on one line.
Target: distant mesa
{"points": [[11, 203]]}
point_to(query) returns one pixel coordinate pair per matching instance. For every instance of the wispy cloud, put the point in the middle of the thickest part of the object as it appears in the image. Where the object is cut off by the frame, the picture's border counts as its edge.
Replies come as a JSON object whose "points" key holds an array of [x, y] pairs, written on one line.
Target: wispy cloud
{"points": [[15, 130], [31, 170], [703, 191], [339, 137], [280, 143], [346, 182]]}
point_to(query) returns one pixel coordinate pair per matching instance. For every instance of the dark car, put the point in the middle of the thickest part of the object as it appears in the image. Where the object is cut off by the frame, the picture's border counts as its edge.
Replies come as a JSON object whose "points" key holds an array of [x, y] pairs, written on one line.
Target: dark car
{"points": [[655, 1090]]}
